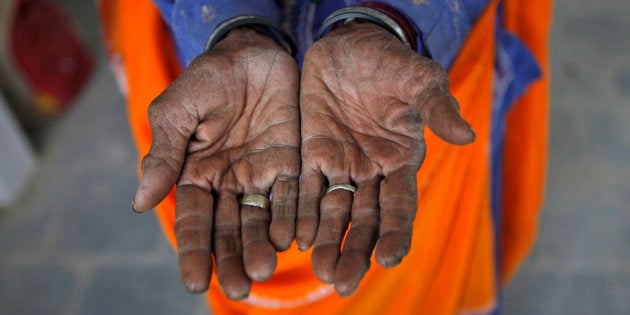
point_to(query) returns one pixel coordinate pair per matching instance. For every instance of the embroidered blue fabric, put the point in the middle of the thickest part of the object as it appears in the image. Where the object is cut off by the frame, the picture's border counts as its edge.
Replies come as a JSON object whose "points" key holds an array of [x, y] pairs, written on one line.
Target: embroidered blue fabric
{"points": [[443, 27]]}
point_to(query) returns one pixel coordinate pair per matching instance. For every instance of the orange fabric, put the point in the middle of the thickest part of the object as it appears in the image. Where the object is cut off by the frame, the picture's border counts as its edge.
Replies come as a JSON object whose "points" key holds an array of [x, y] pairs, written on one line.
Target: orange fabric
{"points": [[450, 267], [526, 144], [142, 54]]}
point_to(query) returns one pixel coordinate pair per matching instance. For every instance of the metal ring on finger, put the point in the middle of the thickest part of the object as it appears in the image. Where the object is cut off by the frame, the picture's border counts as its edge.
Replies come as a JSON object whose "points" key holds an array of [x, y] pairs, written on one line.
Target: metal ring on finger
{"points": [[255, 200], [347, 187]]}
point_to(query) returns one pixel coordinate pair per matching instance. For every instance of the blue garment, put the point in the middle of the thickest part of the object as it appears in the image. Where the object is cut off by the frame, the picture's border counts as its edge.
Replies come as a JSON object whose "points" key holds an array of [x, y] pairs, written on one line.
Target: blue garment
{"points": [[443, 27], [192, 21]]}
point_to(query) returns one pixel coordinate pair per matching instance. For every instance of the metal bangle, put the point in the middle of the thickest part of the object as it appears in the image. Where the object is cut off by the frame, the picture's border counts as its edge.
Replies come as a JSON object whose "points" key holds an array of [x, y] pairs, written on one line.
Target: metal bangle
{"points": [[279, 34], [369, 14]]}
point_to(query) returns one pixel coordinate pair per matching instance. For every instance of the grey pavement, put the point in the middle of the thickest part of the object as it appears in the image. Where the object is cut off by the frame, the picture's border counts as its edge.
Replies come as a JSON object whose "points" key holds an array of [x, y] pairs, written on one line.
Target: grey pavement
{"points": [[71, 245], [581, 263]]}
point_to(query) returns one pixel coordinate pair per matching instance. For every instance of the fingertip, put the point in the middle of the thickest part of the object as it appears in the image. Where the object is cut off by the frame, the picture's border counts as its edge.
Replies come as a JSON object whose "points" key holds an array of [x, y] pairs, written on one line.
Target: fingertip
{"points": [[195, 269], [453, 129], [260, 275], [345, 290], [237, 288], [310, 194], [158, 179], [324, 261], [305, 233], [349, 272], [283, 212], [472, 135], [260, 261], [237, 293], [281, 235], [232, 279], [391, 249], [133, 207], [138, 203], [464, 135], [441, 113], [323, 275], [303, 246], [304, 242], [195, 286], [387, 261]]}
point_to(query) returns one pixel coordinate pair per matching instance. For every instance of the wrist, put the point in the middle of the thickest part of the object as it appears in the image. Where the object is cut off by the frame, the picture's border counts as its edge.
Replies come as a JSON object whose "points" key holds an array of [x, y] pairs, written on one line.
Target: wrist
{"points": [[250, 29], [247, 36]]}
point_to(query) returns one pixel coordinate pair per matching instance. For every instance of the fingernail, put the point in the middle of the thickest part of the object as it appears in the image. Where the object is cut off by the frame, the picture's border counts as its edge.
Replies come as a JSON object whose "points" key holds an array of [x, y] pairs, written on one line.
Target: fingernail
{"points": [[472, 132], [194, 287], [133, 206], [303, 247]]}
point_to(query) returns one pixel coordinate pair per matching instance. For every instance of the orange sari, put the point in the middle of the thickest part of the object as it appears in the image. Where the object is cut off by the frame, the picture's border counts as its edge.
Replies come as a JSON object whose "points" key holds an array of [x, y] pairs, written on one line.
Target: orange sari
{"points": [[451, 266]]}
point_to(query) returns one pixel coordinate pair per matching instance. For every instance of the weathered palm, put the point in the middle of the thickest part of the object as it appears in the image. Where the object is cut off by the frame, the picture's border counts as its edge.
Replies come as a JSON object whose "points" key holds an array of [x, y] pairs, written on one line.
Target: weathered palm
{"points": [[228, 126], [365, 98]]}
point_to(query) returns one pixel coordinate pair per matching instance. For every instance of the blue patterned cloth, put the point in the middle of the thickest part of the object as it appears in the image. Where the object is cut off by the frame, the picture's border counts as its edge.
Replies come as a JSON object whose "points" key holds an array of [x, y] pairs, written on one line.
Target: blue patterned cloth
{"points": [[443, 27]]}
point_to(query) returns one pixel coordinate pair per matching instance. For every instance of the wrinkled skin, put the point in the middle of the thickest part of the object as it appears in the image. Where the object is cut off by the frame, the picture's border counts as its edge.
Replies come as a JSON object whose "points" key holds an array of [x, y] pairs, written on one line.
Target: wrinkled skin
{"points": [[228, 126], [365, 99]]}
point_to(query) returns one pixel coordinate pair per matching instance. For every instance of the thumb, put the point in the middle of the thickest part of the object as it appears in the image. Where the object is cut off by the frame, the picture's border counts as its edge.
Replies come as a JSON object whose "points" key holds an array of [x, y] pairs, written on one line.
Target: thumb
{"points": [[440, 111], [162, 166]]}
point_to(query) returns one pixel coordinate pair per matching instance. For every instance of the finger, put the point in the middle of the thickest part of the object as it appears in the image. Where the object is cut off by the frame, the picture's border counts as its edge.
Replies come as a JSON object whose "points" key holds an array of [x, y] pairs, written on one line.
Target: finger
{"points": [[259, 255], [310, 194], [283, 212], [193, 228], [440, 111], [335, 215], [162, 165], [228, 249], [398, 203], [357, 249]]}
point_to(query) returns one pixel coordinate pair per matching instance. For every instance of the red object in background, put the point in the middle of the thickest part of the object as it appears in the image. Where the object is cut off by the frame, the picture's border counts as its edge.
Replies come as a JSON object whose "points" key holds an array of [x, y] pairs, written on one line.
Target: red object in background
{"points": [[44, 50]]}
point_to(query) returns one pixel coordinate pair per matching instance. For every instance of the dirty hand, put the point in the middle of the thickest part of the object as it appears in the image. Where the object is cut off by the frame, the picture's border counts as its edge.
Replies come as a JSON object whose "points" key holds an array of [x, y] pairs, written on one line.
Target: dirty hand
{"points": [[228, 126], [365, 99]]}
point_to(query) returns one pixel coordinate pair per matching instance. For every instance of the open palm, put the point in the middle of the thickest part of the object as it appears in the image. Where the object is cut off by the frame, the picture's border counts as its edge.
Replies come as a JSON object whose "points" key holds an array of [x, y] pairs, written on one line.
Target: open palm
{"points": [[228, 126], [365, 98]]}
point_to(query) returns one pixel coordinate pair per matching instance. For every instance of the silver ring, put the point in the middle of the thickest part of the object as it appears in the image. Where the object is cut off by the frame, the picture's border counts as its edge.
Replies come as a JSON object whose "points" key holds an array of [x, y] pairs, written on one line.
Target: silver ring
{"points": [[347, 187], [255, 200]]}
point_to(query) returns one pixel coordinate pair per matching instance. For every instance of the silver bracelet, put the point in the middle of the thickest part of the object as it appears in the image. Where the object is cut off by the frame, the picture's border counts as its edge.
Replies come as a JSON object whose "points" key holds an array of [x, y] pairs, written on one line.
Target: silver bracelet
{"points": [[364, 13], [279, 34]]}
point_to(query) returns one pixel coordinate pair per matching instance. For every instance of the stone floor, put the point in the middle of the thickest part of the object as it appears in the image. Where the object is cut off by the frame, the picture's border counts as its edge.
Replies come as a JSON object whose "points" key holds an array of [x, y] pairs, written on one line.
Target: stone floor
{"points": [[72, 245]]}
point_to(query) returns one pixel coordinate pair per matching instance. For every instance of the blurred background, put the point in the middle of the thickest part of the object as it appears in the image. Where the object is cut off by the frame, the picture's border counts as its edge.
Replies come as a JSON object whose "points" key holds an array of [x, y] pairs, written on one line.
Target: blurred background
{"points": [[69, 243]]}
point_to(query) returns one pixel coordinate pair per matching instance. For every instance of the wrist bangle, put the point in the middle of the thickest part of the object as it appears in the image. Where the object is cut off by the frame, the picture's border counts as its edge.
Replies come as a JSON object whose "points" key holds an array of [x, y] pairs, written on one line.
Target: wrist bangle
{"points": [[282, 37], [377, 13]]}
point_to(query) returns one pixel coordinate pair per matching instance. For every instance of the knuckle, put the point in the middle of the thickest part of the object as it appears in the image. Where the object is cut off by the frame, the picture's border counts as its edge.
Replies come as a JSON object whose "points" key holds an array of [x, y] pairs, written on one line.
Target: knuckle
{"points": [[283, 210], [193, 239], [193, 222], [156, 160], [227, 247], [366, 220]]}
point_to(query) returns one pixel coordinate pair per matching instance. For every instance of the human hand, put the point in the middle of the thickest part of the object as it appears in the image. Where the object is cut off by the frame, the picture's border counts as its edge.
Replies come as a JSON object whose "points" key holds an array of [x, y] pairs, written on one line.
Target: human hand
{"points": [[365, 98], [228, 126]]}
